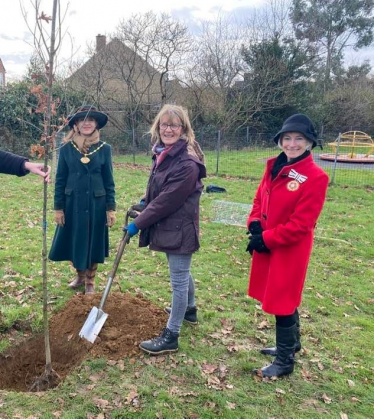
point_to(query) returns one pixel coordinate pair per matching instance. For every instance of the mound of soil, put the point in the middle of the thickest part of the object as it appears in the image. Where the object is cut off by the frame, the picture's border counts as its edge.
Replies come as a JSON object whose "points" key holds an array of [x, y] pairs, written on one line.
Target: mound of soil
{"points": [[131, 319]]}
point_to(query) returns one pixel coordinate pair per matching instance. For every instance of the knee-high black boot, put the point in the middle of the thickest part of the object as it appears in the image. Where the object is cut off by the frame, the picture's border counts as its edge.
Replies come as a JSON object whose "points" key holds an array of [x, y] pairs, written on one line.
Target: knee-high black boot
{"points": [[272, 351], [285, 359]]}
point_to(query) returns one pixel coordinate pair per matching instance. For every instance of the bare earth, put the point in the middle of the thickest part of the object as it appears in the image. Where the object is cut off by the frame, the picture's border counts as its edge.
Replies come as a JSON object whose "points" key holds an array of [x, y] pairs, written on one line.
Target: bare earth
{"points": [[131, 320]]}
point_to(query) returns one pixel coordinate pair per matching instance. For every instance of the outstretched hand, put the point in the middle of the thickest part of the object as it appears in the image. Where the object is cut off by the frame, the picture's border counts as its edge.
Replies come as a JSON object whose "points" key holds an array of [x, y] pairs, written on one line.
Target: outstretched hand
{"points": [[38, 169]]}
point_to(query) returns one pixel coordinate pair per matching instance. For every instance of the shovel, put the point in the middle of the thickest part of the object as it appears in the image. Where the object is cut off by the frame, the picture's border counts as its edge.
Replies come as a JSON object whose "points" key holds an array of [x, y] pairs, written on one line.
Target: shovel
{"points": [[96, 319]]}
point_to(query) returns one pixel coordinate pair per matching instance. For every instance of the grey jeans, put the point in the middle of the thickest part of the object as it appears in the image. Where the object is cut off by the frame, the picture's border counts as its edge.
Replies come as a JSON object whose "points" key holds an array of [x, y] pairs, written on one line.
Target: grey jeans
{"points": [[183, 289]]}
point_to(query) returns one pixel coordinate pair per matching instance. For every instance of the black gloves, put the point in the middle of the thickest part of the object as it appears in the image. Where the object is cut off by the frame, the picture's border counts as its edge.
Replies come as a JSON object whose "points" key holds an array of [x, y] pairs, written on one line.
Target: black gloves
{"points": [[256, 242], [136, 209], [255, 227]]}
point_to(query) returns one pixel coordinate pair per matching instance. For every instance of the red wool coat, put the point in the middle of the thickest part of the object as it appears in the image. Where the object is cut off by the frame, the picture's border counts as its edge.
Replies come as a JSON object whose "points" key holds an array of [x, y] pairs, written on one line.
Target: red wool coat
{"points": [[288, 208]]}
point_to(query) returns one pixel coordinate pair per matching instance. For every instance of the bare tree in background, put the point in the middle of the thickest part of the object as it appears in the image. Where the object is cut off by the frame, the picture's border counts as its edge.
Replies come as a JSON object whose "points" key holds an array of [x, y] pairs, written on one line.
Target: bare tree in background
{"points": [[156, 44], [130, 76], [212, 70]]}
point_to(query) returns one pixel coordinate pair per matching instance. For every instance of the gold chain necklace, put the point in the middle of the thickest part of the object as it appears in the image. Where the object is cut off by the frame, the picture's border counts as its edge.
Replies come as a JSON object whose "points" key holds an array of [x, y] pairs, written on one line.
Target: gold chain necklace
{"points": [[85, 159]]}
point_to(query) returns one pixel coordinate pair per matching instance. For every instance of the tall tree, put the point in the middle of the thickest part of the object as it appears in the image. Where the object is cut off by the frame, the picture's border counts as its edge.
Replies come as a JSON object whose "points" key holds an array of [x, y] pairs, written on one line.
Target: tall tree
{"points": [[276, 81], [212, 69], [332, 26]]}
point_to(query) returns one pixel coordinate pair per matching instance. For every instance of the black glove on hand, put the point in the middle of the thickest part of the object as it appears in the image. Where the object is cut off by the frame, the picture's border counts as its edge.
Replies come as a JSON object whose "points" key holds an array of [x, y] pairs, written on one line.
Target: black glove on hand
{"points": [[136, 209], [255, 227], [257, 243]]}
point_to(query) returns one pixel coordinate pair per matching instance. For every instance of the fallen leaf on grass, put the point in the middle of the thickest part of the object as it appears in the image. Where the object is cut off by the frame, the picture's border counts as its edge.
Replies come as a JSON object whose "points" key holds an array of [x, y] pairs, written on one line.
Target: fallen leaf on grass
{"points": [[209, 368], [264, 325], [101, 403], [351, 383], [231, 406], [343, 415], [326, 399], [280, 391], [95, 378], [214, 381], [132, 398]]}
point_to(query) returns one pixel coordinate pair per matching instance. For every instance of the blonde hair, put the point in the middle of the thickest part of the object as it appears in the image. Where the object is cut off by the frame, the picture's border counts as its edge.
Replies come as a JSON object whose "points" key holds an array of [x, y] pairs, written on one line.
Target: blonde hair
{"points": [[172, 111], [188, 135]]}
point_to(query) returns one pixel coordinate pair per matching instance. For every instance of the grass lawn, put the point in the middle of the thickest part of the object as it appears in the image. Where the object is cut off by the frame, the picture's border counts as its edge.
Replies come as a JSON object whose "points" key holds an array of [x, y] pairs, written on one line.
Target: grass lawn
{"points": [[210, 376]]}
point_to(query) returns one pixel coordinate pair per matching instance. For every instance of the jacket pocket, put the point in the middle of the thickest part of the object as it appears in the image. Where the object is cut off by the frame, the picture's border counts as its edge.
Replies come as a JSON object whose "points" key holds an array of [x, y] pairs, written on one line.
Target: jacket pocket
{"points": [[168, 234], [99, 192]]}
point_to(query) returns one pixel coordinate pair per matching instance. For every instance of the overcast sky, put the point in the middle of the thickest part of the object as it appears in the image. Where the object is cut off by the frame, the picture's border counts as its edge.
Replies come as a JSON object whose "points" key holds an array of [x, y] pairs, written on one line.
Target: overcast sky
{"points": [[84, 21], [87, 18]]}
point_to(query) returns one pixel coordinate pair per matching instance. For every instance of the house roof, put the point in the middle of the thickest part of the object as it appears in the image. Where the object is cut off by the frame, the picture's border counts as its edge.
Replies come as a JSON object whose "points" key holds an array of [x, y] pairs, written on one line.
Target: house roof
{"points": [[114, 48]]}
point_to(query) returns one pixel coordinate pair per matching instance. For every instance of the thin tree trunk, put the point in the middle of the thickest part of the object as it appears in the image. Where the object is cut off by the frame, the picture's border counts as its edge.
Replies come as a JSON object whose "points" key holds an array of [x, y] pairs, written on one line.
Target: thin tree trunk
{"points": [[47, 132]]}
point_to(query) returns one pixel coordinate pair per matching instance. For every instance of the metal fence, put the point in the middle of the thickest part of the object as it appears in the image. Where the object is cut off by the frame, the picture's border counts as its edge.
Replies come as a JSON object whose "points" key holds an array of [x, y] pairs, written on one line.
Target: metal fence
{"points": [[243, 153], [239, 153]]}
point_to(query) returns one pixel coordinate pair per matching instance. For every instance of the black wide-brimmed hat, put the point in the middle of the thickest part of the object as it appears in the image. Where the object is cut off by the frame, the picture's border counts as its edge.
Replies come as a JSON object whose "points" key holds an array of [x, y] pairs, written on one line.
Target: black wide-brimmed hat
{"points": [[299, 123], [88, 110]]}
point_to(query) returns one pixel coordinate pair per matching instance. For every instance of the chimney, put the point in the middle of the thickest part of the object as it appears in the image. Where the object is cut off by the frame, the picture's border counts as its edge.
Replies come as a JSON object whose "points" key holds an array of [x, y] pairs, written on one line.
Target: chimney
{"points": [[100, 42]]}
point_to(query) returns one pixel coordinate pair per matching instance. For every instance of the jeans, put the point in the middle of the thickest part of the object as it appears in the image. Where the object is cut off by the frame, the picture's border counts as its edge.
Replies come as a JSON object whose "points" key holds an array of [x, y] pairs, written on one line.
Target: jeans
{"points": [[183, 289]]}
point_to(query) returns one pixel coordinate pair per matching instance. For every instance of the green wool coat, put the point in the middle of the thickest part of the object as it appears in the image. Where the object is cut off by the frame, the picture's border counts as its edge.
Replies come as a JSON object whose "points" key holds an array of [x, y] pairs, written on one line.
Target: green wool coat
{"points": [[84, 192]]}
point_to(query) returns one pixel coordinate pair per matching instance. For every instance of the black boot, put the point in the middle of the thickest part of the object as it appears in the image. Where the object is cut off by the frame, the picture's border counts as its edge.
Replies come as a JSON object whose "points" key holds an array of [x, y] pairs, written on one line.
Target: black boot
{"points": [[285, 359], [273, 350], [167, 342], [190, 315]]}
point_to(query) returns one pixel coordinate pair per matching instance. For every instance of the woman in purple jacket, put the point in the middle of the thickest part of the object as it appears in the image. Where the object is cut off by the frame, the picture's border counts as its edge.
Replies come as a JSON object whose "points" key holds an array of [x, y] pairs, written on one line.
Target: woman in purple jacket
{"points": [[170, 221]]}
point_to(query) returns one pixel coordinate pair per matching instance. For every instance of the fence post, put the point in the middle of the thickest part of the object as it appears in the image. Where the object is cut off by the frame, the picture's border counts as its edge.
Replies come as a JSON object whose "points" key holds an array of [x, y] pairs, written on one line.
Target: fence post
{"points": [[218, 150], [247, 136], [133, 145], [335, 161]]}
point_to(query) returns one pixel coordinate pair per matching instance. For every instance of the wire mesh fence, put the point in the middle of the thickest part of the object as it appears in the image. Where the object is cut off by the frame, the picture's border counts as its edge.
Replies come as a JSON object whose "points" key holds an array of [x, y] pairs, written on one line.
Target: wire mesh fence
{"points": [[239, 153], [243, 153]]}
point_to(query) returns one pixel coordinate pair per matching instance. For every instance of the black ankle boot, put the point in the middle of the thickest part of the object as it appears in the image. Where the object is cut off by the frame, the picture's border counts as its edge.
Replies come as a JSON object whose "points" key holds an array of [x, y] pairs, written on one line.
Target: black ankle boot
{"points": [[272, 351], [167, 342], [190, 315], [285, 358]]}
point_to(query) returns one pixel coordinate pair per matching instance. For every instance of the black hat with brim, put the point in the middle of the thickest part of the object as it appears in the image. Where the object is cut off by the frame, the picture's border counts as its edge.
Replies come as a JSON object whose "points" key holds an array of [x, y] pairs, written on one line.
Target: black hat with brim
{"points": [[299, 123], [88, 110]]}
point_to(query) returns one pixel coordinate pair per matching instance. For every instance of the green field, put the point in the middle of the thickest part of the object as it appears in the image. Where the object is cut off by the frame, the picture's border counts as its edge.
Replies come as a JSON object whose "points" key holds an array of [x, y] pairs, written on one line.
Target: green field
{"points": [[210, 376]]}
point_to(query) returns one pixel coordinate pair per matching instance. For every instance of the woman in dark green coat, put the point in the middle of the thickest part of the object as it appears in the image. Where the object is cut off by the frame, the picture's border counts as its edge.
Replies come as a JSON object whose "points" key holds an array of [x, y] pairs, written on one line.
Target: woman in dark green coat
{"points": [[84, 199]]}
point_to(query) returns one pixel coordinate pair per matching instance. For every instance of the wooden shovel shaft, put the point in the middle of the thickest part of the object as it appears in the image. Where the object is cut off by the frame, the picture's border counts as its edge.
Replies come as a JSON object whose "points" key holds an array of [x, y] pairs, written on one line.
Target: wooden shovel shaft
{"points": [[121, 248]]}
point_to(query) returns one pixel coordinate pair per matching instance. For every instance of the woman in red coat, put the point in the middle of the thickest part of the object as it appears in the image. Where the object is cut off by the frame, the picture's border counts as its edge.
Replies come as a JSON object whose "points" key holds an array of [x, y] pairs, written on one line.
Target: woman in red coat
{"points": [[285, 210]]}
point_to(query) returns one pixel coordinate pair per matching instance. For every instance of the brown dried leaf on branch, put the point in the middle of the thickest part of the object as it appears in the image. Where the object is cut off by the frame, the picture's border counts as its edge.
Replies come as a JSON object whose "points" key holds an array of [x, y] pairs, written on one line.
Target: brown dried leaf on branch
{"points": [[37, 150], [43, 16]]}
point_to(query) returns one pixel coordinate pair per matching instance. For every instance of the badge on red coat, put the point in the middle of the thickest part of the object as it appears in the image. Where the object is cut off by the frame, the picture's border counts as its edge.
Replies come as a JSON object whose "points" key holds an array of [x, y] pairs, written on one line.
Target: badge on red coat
{"points": [[294, 185]]}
